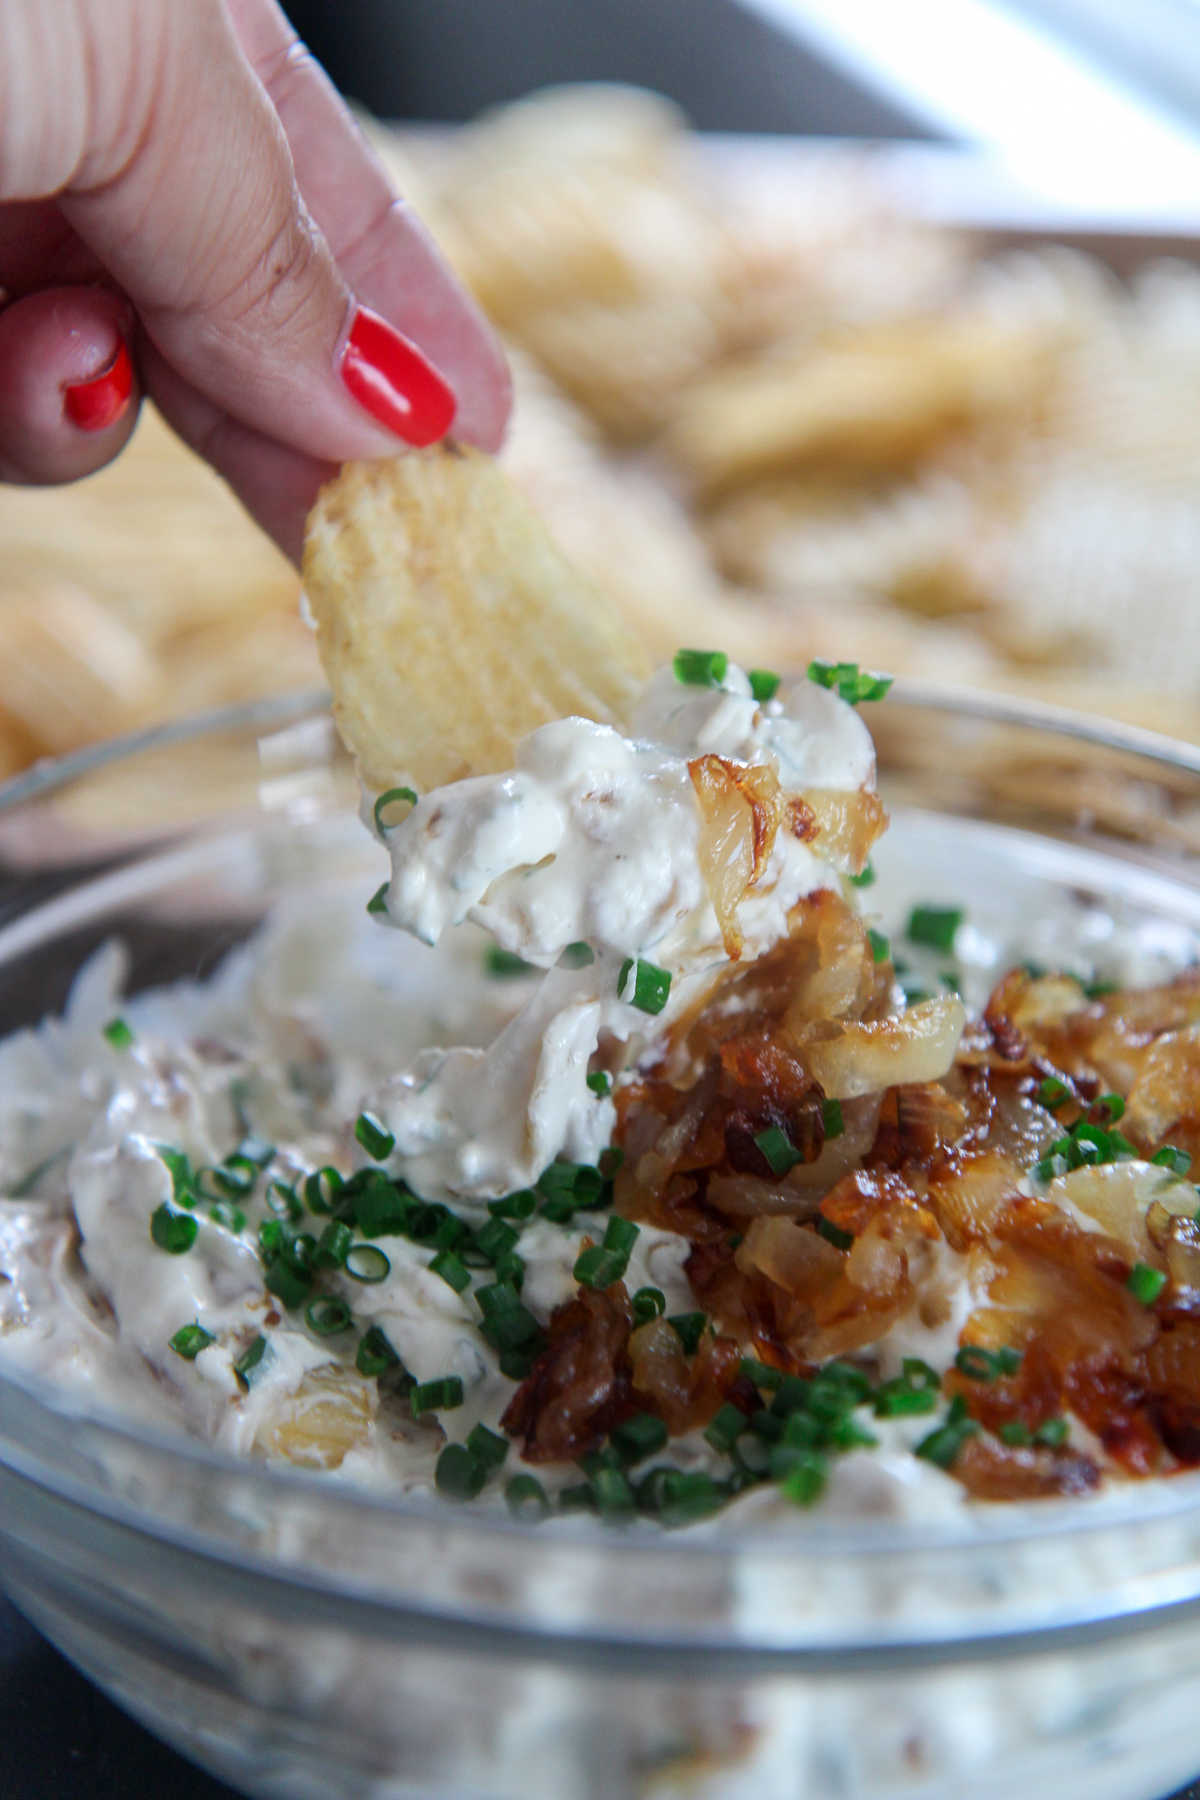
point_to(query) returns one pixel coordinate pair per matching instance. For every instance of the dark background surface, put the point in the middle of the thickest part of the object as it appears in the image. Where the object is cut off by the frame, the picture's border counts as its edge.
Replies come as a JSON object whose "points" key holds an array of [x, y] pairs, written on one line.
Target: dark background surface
{"points": [[60, 1739]]}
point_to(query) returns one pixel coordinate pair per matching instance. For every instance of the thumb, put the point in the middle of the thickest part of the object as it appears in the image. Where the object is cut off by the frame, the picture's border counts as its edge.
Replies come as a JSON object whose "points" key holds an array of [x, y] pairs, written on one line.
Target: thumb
{"points": [[170, 162]]}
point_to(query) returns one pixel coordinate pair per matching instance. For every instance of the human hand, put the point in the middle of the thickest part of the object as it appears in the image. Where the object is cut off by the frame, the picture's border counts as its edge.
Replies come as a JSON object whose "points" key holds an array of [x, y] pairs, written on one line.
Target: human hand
{"points": [[187, 210]]}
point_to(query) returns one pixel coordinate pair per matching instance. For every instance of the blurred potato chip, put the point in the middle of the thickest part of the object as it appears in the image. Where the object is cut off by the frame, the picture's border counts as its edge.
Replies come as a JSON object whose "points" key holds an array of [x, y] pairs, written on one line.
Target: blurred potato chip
{"points": [[876, 399], [448, 621]]}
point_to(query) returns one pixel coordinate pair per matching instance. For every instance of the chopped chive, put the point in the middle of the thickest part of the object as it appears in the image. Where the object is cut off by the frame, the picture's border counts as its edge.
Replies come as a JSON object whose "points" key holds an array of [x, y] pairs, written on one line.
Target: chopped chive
{"points": [[934, 925], [1178, 1161], [289, 1284], [327, 1315], [508, 1323], [502, 964], [831, 1119], [374, 1353], [600, 1082], [333, 1245], [459, 1475], [643, 1435], [224, 1212], [381, 1208], [987, 1365], [805, 1480], [256, 1150], [577, 955], [526, 1499], [183, 1181], [763, 1375], [119, 1035], [518, 1360], [577, 1498], [1145, 1283], [943, 1445], [689, 1329], [1049, 1168], [284, 1201], [650, 986], [236, 1175], [249, 1365], [374, 1136], [174, 1232], [725, 1427], [613, 1494], [1052, 1433], [378, 901], [865, 877], [190, 1340], [520, 1205], [1113, 1107], [1052, 1093], [1012, 1432], [367, 1262], [600, 1265], [764, 684], [700, 668], [833, 1234], [496, 1239], [442, 1395], [679, 1497], [880, 948], [488, 1446], [452, 1269], [648, 1303], [852, 683], [321, 1189], [778, 1149], [1098, 989], [393, 797]]}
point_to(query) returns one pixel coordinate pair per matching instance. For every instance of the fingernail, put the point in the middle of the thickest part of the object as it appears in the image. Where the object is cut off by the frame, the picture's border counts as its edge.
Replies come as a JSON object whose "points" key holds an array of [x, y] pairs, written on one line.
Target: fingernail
{"points": [[392, 381], [95, 404]]}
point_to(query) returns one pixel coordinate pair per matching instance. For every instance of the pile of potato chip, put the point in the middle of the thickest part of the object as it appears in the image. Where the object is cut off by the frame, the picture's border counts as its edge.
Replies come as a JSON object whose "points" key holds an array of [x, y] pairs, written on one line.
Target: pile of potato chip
{"points": [[778, 418]]}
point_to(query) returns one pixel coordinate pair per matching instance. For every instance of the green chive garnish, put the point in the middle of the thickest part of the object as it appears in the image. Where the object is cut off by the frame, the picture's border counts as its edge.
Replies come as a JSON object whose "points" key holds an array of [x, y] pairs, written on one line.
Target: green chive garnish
{"points": [[643, 1435], [1012, 1432], [374, 1136], [600, 1082], [1112, 1106], [599, 1265], [934, 926], [1053, 1433], [943, 1445], [577, 956], [521, 1205], [1178, 1161], [327, 1315], [778, 1149], [378, 901], [508, 1323], [441, 1395], [321, 1189], [764, 684], [833, 1234], [987, 1365], [452, 1269], [865, 877], [526, 1498], [804, 1482], [725, 1427], [488, 1446], [700, 668], [367, 1262], [375, 1353], [689, 1329], [1145, 1283], [189, 1340], [119, 1036], [648, 1303], [174, 1232], [459, 1475], [880, 948], [505, 963], [381, 1208], [852, 683], [249, 1365], [1052, 1093], [831, 1119], [334, 1245], [393, 797], [224, 1212], [651, 985]]}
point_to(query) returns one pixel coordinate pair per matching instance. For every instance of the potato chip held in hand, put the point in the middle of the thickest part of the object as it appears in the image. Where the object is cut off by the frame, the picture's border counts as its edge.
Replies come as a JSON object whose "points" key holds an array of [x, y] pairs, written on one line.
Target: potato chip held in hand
{"points": [[449, 623]]}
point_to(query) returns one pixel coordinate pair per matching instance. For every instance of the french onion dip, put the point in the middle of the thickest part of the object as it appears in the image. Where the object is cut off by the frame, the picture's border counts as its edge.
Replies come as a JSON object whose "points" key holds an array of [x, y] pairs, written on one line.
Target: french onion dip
{"points": [[612, 1158]]}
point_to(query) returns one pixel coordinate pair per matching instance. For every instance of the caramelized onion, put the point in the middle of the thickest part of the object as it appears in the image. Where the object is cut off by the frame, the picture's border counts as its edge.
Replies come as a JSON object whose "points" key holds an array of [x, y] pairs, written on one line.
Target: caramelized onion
{"points": [[862, 1058], [739, 817], [848, 823]]}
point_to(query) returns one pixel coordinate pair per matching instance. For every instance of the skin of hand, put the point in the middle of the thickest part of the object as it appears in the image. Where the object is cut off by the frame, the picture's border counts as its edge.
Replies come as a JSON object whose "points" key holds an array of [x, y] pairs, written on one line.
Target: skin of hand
{"points": [[188, 211]]}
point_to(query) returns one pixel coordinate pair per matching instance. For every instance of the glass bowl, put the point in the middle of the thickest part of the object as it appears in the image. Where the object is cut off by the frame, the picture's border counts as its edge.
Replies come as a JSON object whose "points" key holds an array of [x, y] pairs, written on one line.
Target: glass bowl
{"points": [[303, 1637]]}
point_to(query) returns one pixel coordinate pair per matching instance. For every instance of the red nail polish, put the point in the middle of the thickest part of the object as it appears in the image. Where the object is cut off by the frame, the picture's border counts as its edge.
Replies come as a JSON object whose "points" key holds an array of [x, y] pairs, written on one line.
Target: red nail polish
{"points": [[93, 405], [391, 379]]}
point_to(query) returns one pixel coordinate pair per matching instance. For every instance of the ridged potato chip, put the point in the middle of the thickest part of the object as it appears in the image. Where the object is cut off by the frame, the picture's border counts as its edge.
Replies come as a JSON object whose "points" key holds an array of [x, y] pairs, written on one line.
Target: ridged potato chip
{"points": [[449, 622]]}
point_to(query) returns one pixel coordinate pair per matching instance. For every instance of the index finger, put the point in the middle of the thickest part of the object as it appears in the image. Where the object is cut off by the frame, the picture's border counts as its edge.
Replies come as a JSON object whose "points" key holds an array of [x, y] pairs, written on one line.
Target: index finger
{"points": [[377, 241]]}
